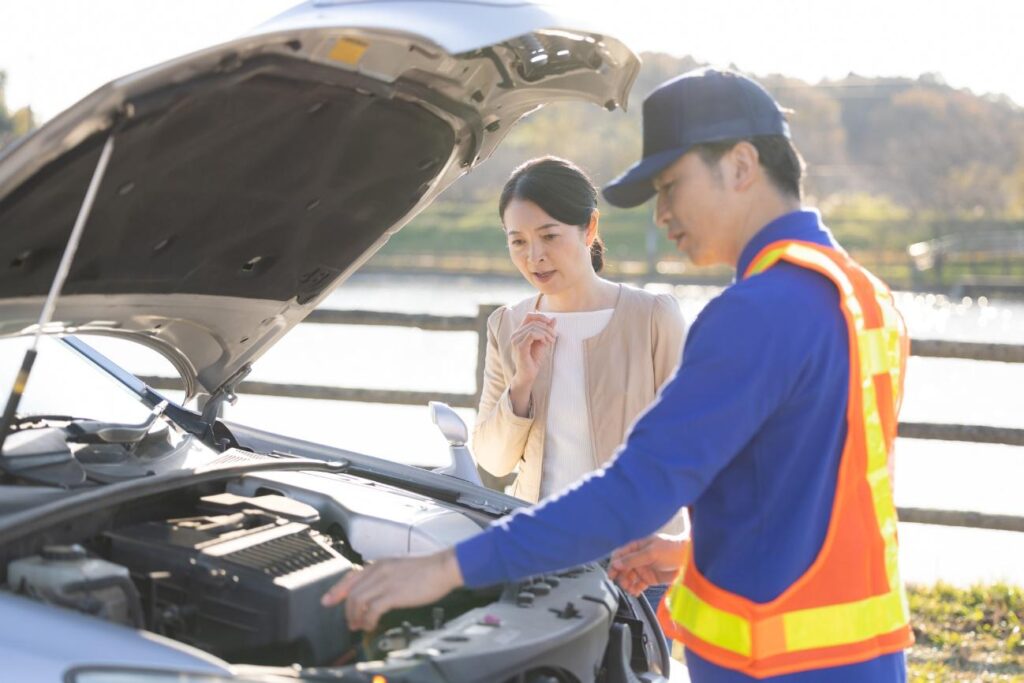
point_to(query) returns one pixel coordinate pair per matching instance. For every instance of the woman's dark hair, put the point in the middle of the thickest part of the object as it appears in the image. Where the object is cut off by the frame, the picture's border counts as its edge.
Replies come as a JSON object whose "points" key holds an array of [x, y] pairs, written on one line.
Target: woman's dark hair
{"points": [[777, 156], [562, 189]]}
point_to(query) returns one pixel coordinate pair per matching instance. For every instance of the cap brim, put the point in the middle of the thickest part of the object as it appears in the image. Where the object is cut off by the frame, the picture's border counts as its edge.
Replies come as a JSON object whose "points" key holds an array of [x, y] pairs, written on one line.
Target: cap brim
{"points": [[636, 185]]}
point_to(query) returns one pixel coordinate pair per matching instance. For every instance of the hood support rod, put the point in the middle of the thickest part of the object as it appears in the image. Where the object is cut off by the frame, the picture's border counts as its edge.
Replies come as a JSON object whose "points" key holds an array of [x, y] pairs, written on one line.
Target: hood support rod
{"points": [[55, 288]]}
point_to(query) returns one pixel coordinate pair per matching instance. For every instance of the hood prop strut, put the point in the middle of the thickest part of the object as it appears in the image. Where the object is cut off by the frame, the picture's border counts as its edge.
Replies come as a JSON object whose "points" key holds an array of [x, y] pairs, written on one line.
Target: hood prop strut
{"points": [[55, 288]]}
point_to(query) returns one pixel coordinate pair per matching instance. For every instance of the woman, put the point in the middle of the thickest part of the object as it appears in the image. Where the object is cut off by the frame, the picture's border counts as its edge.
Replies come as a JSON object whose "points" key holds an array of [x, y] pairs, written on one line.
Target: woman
{"points": [[568, 369]]}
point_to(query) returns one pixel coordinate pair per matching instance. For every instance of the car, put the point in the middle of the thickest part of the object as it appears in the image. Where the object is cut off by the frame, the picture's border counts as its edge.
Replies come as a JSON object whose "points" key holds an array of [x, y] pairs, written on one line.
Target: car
{"points": [[202, 208]]}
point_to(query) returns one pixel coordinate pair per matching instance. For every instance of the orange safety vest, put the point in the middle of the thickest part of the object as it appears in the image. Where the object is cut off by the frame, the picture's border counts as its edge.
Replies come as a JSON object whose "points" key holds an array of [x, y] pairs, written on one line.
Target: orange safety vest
{"points": [[849, 606]]}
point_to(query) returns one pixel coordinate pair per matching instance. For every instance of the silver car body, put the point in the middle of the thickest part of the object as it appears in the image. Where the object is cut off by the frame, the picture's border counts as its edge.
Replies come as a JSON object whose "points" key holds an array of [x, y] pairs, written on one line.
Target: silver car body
{"points": [[246, 182]]}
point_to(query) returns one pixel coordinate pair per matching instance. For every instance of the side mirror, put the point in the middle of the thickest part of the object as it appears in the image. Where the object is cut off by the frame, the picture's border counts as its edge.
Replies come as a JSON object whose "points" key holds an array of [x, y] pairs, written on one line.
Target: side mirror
{"points": [[449, 422], [456, 433]]}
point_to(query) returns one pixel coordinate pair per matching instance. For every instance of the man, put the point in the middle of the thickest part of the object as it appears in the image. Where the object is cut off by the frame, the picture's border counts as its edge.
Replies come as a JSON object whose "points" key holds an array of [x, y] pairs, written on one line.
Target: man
{"points": [[776, 430]]}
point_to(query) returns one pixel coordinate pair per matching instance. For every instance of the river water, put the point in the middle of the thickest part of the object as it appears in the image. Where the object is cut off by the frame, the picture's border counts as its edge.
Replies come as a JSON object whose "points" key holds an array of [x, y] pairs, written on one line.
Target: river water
{"points": [[931, 474]]}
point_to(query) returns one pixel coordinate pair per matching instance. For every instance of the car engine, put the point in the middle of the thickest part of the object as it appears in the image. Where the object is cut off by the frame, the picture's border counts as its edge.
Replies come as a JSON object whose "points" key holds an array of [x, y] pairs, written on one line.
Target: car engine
{"points": [[242, 581], [236, 567]]}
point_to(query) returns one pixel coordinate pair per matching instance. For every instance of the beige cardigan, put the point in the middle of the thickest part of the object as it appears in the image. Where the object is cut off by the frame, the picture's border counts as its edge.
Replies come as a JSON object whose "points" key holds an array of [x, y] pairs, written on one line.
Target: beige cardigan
{"points": [[625, 365]]}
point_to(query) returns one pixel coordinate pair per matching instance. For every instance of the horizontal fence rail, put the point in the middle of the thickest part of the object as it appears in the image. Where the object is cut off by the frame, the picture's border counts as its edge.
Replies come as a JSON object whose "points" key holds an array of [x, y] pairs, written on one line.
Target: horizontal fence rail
{"points": [[928, 348], [973, 520], [972, 433], [322, 393], [934, 348], [453, 323]]}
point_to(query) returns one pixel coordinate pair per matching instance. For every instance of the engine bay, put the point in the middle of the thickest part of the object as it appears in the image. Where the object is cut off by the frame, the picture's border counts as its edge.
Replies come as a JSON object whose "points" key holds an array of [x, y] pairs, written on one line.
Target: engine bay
{"points": [[238, 577], [231, 552]]}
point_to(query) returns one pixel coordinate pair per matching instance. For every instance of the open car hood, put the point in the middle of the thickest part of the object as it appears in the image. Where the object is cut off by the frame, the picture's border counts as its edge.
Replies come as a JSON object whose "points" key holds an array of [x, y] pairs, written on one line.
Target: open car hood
{"points": [[250, 179]]}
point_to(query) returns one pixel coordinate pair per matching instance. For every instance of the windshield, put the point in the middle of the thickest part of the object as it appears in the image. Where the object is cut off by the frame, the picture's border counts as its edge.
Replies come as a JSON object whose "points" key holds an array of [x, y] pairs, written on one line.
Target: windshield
{"points": [[65, 383]]}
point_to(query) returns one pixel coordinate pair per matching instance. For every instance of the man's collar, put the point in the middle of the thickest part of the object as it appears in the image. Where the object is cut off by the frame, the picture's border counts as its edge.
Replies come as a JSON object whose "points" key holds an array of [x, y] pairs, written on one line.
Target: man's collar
{"points": [[804, 224]]}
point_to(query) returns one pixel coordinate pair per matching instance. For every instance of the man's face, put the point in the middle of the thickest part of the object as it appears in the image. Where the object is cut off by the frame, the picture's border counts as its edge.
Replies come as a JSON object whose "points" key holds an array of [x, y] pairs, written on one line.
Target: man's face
{"points": [[695, 208]]}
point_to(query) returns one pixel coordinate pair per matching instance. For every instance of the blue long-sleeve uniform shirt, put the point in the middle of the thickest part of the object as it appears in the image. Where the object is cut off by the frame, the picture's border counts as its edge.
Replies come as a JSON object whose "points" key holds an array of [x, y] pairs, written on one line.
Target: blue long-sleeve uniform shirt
{"points": [[748, 433]]}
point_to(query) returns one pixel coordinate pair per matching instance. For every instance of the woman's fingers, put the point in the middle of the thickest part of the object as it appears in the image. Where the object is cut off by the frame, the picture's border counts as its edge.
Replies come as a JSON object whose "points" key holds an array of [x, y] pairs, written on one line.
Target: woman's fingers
{"points": [[525, 341], [540, 318], [533, 329], [535, 322], [546, 338]]}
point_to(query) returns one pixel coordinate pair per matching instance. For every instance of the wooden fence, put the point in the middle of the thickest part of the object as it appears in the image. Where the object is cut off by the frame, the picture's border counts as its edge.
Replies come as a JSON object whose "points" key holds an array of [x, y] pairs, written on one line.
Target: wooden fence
{"points": [[1003, 353]]}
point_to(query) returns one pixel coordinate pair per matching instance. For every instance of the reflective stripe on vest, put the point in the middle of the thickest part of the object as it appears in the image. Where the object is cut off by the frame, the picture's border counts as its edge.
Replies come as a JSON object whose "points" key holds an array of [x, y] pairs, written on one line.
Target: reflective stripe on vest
{"points": [[806, 627]]}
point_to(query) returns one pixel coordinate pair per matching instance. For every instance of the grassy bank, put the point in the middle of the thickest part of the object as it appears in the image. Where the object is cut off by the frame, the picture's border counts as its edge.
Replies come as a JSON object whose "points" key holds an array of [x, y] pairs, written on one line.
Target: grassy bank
{"points": [[963, 635], [459, 231], [970, 634]]}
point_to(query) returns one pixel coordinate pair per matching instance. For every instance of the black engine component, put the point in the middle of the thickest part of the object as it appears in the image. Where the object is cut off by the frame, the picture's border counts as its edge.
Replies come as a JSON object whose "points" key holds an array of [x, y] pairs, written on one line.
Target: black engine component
{"points": [[41, 456], [244, 586]]}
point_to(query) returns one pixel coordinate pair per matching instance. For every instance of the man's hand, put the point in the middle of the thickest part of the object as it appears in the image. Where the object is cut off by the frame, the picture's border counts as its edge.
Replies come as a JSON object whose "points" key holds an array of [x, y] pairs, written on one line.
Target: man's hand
{"points": [[402, 582], [648, 562]]}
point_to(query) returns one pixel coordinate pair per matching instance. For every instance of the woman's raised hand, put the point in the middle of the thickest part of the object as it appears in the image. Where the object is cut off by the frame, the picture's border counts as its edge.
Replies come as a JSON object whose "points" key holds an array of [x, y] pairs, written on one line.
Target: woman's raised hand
{"points": [[532, 341]]}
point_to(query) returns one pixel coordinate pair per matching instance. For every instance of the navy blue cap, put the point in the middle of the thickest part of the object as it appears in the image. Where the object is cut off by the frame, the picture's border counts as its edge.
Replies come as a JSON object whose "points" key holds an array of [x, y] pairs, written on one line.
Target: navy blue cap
{"points": [[704, 105]]}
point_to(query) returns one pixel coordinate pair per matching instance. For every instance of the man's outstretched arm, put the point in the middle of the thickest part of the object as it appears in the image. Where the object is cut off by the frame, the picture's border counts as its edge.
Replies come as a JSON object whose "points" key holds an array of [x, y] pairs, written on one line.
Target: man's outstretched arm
{"points": [[704, 416]]}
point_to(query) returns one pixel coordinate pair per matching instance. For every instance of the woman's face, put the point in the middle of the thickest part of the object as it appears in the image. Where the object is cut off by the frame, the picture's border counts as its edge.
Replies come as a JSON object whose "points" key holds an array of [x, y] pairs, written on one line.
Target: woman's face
{"points": [[552, 256]]}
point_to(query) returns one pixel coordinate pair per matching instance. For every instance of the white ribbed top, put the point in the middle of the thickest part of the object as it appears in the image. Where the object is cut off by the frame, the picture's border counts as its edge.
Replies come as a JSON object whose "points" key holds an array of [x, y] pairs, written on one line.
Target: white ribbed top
{"points": [[568, 448]]}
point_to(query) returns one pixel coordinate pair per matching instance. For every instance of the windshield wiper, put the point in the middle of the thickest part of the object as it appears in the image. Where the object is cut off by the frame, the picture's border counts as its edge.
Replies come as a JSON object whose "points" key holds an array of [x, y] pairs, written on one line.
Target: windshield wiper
{"points": [[95, 431]]}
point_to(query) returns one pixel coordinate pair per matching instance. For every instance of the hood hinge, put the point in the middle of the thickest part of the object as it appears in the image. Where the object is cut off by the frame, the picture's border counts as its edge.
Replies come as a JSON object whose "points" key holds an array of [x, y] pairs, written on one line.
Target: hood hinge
{"points": [[225, 392]]}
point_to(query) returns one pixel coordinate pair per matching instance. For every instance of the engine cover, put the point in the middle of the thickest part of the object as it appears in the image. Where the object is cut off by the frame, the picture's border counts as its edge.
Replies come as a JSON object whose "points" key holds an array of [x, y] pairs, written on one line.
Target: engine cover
{"points": [[243, 586]]}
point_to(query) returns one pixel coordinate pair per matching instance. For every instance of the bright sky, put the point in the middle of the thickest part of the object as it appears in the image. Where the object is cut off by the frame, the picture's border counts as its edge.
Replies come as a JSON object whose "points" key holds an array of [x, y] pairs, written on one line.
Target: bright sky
{"points": [[57, 51]]}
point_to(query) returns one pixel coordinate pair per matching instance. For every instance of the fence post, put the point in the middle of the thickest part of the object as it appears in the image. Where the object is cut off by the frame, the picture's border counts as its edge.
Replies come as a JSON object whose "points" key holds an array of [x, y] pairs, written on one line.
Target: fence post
{"points": [[483, 313], [651, 237]]}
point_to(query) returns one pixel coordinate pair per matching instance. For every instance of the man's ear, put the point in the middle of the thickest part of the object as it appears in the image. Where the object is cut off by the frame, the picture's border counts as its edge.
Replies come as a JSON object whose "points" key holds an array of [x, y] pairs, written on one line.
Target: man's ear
{"points": [[746, 165], [591, 232]]}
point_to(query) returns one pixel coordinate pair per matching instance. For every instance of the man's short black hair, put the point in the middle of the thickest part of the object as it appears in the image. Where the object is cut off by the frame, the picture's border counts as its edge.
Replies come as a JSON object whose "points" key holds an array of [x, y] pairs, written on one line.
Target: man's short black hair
{"points": [[778, 156]]}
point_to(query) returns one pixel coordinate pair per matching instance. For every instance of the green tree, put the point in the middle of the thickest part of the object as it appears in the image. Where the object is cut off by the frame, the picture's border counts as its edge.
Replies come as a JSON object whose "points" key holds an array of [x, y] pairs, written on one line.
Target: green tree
{"points": [[6, 125], [816, 121], [13, 126], [939, 150]]}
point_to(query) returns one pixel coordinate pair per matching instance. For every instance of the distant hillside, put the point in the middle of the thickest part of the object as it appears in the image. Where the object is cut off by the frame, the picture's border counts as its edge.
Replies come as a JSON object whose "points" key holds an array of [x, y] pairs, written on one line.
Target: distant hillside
{"points": [[916, 145], [890, 161], [919, 143]]}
